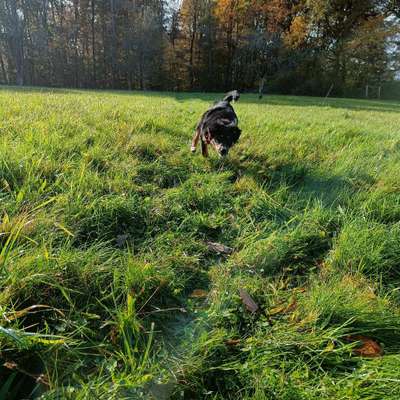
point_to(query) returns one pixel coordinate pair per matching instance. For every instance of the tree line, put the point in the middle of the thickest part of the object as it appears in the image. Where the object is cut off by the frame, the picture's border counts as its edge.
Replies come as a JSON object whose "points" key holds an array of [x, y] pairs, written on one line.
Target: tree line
{"points": [[289, 46]]}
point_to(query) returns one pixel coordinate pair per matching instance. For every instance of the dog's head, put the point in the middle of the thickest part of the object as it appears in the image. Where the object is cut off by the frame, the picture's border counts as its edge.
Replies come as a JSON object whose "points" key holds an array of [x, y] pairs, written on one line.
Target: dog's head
{"points": [[223, 138], [232, 96]]}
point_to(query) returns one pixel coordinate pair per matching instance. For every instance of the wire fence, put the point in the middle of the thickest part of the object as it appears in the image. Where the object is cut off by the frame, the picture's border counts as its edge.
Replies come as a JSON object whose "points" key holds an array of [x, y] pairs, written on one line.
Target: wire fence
{"points": [[385, 91]]}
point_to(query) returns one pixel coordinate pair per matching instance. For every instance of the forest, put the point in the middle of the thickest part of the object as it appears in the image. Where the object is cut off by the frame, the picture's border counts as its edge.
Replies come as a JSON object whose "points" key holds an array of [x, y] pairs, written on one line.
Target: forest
{"points": [[282, 46]]}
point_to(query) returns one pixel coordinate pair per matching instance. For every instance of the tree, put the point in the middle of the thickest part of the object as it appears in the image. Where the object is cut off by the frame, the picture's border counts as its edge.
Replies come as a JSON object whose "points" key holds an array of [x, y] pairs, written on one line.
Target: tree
{"points": [[366, 52], [296, 46], [190, 19], [12, 20]]}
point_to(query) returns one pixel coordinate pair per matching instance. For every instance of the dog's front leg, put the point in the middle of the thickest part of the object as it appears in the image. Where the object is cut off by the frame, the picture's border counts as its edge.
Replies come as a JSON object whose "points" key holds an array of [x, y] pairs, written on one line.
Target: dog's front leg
{"points": [[204, 148], [195, 140]]}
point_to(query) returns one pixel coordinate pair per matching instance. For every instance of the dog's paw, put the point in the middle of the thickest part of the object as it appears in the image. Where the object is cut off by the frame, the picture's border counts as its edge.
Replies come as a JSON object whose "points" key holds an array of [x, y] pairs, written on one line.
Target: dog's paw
{"points": [[193, 149]]}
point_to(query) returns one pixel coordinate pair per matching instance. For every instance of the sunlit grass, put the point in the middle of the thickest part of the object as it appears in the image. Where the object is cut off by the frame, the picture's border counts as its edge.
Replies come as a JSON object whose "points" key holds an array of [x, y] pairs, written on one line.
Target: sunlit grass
{"points": [[104, 222]]}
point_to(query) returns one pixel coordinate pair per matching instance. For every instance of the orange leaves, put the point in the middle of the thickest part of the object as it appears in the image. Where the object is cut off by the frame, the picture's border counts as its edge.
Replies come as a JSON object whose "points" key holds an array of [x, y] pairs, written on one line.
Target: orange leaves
{"points": [[364, 346], [367, 348], [369, 35], [225, 10], [297, 33], [232, 13], [274, 12], [243, 13]]}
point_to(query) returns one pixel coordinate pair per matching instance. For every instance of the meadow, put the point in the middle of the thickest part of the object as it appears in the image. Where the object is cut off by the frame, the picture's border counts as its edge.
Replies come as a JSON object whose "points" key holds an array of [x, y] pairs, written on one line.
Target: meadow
{"points": [[109, 288]]}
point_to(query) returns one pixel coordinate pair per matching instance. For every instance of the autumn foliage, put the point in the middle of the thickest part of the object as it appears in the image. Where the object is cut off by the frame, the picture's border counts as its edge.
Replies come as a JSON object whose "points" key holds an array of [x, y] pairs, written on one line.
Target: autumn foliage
{"points": [[295, 46]]}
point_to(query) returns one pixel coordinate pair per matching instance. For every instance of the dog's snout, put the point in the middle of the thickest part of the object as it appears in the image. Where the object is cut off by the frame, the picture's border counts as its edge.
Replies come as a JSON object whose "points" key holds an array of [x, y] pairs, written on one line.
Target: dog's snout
{"points": [[224, 151]]}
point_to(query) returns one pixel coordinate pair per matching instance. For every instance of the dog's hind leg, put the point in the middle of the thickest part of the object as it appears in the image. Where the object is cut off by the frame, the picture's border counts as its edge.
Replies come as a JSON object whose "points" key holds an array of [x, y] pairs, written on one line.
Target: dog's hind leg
{"points": [[195, 140]]}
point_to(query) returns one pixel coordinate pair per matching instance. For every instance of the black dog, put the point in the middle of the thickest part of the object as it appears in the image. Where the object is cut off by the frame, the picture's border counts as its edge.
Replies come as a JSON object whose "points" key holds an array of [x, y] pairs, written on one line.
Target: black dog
{"points": [[218, 126]]}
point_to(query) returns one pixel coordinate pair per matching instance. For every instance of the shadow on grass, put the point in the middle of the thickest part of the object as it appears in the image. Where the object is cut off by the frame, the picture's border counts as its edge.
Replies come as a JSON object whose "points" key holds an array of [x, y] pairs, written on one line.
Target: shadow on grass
{"points": [[330, 190], [299, 178], [352, 104]]}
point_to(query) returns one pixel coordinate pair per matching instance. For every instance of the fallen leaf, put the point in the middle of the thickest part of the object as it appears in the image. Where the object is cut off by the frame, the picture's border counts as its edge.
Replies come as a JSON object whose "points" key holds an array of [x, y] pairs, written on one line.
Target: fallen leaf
{"points": [[250, 304], [31, 309], [277, 310], [232, 342], [367, 348], [292, 306], [219, 248], [10, 365], [283, 308], [114, 335], [198, 294]]}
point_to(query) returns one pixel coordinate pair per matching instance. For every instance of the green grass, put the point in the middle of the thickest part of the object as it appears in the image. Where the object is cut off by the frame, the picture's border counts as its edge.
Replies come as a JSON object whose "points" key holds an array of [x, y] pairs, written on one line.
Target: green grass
{"points": [[104, 222]]}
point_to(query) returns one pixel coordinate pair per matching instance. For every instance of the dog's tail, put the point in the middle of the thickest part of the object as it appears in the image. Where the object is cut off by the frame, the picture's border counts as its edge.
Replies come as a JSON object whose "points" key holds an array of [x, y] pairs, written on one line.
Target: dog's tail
{"points": [[232, 96]]}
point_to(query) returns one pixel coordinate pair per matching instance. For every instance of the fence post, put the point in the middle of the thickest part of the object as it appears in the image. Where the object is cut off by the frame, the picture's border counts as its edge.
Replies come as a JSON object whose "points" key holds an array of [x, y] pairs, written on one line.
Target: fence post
{"points": [[261, 88], [379, 92], [366, 91], [329, 91]]}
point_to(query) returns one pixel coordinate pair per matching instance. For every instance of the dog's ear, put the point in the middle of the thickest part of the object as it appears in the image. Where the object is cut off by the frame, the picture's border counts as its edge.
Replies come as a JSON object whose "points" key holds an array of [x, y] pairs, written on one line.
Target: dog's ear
{"points": [[232, 96]]}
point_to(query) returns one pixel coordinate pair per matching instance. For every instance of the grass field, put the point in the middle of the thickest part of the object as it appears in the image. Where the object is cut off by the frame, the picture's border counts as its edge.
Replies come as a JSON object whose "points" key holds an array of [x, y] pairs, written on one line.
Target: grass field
{"points": [[110, 291]]}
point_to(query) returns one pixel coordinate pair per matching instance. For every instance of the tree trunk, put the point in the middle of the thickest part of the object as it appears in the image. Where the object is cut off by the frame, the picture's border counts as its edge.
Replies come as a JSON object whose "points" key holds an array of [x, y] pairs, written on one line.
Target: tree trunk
{"points": [[3, 68], [93, 42], [129, 78], [45, 19], [192, 40], [230, 47], [105, 66], [141, 73], [76, 37], [17, 38], [113, 43]]}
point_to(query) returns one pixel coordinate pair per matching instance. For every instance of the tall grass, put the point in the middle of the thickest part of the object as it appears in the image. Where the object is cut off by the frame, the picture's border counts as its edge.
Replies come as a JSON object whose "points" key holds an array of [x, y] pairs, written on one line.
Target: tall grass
{"points": [[109, 288]]}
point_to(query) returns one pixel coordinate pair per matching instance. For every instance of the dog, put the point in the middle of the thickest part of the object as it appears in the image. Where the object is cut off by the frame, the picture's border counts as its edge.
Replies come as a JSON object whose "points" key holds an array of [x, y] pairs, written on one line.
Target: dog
{"points": [[218, 126]]}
